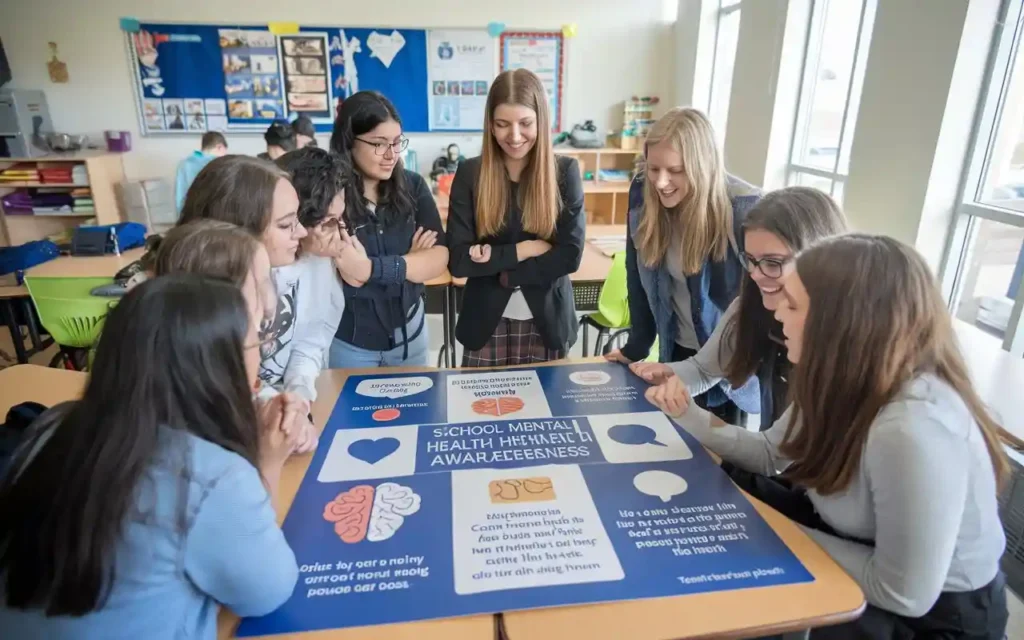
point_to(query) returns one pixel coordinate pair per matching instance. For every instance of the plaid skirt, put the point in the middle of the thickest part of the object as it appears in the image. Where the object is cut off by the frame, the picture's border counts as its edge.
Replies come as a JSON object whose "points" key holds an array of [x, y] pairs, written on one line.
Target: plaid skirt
{"points": [[513, 342]]}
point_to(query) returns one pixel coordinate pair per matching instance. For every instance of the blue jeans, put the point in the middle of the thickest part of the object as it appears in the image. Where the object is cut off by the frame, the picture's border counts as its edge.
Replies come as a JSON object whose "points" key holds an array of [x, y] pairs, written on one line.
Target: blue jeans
{"points": [[343, 355]]}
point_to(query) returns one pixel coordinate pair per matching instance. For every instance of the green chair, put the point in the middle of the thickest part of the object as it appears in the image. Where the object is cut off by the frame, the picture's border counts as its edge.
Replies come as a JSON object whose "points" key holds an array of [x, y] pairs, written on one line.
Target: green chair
{"points": [[72, 317], [612, 309]]}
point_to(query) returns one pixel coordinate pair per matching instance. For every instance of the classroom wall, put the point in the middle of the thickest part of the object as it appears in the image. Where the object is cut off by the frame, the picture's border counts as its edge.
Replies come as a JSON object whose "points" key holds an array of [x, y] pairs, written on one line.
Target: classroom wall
{"points": [[621, 49]]}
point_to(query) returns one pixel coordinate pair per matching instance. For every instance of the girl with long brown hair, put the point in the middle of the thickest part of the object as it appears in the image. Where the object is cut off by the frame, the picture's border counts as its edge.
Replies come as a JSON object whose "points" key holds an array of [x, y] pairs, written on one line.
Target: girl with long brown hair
{"points": [[748, 340], [516, 229], [683, 249], [900, 460], [140, 509]]}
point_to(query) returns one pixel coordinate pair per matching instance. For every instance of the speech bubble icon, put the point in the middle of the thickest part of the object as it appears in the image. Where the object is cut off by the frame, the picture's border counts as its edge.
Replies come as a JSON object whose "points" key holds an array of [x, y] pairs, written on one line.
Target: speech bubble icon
{"points": [[634, 434], [394, 388], [660, 484]]}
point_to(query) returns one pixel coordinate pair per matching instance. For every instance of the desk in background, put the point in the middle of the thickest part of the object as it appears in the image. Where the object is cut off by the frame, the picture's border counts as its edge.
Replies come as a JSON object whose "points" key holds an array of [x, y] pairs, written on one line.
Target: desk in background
{"points": [[85, 266]]}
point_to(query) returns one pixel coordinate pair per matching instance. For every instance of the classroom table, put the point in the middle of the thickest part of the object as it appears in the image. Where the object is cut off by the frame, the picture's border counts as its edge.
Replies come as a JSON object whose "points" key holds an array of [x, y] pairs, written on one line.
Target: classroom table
{"points": [[997, 376], [832, 598], [85, 266]]}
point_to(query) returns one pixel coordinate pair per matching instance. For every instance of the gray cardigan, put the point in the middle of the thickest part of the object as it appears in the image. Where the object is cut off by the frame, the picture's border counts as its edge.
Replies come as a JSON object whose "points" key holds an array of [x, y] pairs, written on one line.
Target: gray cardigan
{"points": [[925, 493]]}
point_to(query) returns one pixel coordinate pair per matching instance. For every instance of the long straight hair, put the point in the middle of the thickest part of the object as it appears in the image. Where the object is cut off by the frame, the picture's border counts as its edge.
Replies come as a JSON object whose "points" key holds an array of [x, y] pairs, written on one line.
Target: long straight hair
{"points": [[359, 115], [170, 357], [799, 217], [876, 320], [236, 189], [538, 193], [704, 218]]}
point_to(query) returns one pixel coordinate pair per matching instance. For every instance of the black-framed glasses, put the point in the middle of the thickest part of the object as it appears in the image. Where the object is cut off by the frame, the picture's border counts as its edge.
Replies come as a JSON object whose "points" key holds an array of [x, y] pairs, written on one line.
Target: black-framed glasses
{"points": [[771, 267], [380, 148]]}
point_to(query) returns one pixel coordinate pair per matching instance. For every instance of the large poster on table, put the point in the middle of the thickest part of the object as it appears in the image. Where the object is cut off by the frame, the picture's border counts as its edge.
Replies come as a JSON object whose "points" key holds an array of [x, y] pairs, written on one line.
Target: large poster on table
{"points": [[452, 493], [196, 78]]}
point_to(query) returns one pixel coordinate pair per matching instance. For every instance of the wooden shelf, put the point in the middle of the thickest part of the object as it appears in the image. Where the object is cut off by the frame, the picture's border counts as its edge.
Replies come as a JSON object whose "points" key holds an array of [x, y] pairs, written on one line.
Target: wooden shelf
{"points": [[603, 186], [37, 185], [571, 151], [72, 156], [104, 170]]}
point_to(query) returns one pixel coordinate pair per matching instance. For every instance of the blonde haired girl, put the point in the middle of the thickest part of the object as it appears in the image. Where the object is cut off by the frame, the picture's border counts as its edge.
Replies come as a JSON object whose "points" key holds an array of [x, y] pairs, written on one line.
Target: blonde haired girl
{"points": [[516, 230], [682, 249]]}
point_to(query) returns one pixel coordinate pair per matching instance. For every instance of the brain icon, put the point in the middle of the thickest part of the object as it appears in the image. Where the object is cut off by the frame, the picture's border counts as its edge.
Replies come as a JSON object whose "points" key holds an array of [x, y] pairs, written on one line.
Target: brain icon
{"points": [[350, 513], [391, 505], [364, 513], [498, 406]]}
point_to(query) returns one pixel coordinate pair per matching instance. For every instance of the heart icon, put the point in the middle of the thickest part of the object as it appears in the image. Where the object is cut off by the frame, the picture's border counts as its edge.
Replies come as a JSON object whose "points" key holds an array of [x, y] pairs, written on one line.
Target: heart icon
{"points": [[373, 450], [385, 48], [494, 29]]}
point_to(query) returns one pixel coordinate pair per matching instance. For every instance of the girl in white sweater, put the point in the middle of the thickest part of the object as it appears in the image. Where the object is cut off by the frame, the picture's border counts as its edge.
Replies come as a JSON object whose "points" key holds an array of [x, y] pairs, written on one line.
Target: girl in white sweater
{"points": [[899, 458]]}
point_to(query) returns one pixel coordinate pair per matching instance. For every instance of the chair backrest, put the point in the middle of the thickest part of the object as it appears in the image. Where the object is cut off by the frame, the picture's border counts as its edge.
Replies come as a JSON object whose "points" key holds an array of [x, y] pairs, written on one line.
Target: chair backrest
{"points": [[67, 310], [613, 303]]}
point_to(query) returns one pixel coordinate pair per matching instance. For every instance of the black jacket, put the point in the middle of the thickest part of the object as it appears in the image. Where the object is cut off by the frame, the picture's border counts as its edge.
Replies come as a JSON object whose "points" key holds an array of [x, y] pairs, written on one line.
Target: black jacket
{"points": [[544, 280], [388, 301]]}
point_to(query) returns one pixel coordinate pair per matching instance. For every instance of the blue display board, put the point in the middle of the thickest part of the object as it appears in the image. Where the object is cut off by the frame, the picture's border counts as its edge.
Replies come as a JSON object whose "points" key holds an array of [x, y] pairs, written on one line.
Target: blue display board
{"points": [[195, 78], [451, 493]]}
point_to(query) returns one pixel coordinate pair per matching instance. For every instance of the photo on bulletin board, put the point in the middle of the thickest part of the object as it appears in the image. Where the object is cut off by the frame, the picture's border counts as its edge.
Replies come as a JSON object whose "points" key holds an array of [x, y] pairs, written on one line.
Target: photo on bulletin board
{"points": [[307, 76], [232, 75], [461, 66], [542, 52]]}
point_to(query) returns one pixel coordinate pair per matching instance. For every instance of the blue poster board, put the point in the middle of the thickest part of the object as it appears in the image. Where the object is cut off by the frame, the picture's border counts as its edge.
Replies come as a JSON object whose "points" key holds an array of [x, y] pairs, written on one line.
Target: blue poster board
{"points": [[195, 78], [452, 493]]}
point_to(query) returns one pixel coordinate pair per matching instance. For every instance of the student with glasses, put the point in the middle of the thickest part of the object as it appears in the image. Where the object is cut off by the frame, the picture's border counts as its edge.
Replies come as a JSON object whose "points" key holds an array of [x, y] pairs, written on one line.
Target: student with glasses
{"points": [[260, 197], [748, 341], [393, 217], [682, 250]]}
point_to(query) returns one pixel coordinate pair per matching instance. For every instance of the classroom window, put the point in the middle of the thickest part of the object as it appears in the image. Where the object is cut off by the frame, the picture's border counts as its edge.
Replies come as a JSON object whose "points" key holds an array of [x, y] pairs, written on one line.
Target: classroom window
{"points": [[727, 35], [986, 253], [838, 39]]}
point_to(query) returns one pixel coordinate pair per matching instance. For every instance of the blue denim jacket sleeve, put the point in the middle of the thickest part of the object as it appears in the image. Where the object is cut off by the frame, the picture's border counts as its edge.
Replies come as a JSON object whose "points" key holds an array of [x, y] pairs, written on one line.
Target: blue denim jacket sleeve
{"points": [[643, 329]]}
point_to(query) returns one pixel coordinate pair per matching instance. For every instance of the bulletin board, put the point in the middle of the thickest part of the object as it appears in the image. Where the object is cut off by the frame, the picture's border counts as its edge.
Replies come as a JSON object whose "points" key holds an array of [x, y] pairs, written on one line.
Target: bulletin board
{"points": [[462, 492], [192, 78], [542, 52]]}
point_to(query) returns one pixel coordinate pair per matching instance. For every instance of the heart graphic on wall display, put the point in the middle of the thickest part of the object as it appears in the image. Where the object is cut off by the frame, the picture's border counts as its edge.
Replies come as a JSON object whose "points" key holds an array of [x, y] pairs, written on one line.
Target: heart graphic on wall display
{"points": [[373, 450], [385, 48]]}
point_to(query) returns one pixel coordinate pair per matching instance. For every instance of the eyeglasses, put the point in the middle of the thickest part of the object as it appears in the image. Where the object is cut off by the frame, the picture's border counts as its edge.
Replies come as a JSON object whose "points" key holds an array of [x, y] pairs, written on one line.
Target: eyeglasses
{"points": [[380, 148], [770, 267], [332, 225]]}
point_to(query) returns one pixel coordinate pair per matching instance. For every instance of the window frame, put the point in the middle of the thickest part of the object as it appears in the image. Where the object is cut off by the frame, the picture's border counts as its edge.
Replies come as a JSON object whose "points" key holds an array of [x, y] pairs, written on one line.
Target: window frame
{"points": [[808, 86], [725, 8], [1007, 39]]}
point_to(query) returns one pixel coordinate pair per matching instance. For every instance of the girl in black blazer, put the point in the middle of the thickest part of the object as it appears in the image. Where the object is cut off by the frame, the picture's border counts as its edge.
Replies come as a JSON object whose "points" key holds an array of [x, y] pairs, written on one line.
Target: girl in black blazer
{"points": [[516, 229]]}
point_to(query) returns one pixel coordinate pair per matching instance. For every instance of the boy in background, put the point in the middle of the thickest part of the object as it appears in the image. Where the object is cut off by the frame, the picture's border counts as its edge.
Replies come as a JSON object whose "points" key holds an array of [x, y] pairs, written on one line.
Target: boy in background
{"points": [[213, 145], [280, 139], [305, 132]]}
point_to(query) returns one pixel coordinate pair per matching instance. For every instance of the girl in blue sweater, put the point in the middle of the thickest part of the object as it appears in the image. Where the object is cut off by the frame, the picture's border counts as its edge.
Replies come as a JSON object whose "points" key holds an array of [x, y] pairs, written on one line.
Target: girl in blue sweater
{"points": [[137, 510]]}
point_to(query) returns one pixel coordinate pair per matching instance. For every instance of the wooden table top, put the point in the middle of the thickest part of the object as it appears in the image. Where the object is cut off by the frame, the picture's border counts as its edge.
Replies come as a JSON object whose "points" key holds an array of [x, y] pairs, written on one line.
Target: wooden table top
{"points": [[13, 292], [85, 266], [833, 597]]}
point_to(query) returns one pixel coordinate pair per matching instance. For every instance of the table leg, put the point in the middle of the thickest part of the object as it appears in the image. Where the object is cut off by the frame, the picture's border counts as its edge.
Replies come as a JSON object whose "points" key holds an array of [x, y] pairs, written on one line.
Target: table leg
{"points": [[7, 308], [454, 315], [30, 321], [446, 347]]}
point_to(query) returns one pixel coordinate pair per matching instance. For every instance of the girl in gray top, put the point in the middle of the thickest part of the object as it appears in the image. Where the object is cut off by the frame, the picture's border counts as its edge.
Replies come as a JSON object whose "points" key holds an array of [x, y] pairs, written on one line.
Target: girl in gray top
{"points": [[900, 459]]}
